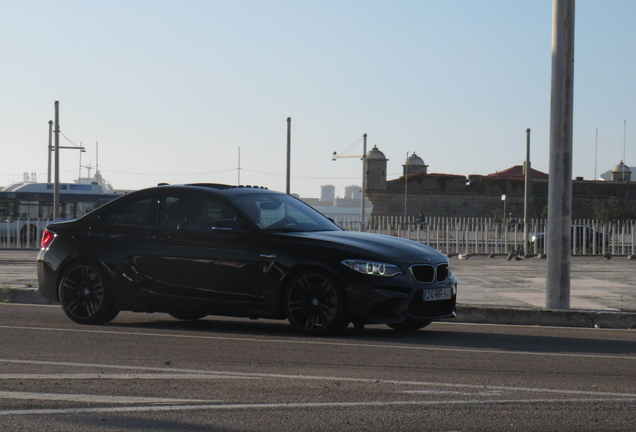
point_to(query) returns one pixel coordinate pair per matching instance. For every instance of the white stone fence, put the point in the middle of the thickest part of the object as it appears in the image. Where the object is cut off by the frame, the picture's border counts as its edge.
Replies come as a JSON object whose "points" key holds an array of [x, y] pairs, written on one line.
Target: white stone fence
{"points": [[485, 236]]}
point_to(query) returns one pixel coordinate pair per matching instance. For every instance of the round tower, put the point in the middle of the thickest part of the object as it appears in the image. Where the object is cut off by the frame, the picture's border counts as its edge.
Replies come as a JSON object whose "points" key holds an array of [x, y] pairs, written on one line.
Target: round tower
{"points": [[414, 165], [376, 170], [621, 173]]}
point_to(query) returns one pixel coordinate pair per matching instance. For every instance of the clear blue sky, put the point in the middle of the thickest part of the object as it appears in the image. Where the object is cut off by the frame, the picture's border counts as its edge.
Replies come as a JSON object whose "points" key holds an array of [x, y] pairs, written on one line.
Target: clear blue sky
{"points": [[171, 90]]}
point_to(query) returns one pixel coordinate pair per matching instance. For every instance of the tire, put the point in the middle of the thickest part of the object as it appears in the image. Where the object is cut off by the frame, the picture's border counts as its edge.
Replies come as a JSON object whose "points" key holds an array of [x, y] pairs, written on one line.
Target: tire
{"points": [[314, 304], [85, 294], [187, 316], [409, 325]]}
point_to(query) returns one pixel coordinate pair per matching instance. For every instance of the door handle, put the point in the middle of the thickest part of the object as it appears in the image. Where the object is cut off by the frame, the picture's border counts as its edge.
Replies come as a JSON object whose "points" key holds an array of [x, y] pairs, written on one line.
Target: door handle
{"points": [[268, 256]]}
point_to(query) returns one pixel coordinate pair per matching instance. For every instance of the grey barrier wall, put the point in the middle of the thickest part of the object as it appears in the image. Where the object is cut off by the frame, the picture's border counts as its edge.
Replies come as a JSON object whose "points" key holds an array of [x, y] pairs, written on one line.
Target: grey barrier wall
{"points": [[450, 235]]}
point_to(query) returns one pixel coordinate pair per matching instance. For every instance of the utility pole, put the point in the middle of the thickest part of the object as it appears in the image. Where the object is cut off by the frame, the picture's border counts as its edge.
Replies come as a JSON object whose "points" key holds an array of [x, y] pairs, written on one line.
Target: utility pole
{"points": [[406, 181], [288, 190], [56, 186], [596, 154], [364, 182], [50, 150], [560, 182], [526, 191]]}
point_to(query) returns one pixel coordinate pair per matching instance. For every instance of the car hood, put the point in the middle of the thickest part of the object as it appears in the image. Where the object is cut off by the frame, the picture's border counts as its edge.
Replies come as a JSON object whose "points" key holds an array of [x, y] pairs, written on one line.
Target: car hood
{"points": [[384, 246]]}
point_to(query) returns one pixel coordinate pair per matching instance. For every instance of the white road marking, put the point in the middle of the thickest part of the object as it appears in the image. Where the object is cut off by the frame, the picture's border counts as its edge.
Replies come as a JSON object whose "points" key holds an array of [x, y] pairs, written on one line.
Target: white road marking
{"points": [[300, 406], [96, 398], [450, 392], [324, 343], [327, 378], [85, 376]]}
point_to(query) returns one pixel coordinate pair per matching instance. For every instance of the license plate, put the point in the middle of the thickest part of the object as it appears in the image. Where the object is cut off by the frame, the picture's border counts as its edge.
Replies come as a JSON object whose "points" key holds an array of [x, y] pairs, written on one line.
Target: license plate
{"points": [[438, 294]]}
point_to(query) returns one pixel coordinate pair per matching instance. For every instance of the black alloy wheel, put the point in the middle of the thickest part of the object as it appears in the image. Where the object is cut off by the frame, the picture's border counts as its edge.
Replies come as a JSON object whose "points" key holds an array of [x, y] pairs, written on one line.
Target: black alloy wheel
{"points": [[315, 305], [409, 325], [85, 295]]}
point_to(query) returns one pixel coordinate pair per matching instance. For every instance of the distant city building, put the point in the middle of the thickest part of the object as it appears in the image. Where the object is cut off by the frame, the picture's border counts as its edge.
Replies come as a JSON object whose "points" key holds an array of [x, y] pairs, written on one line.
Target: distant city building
{"points": [[327, 193], [353, 192]]}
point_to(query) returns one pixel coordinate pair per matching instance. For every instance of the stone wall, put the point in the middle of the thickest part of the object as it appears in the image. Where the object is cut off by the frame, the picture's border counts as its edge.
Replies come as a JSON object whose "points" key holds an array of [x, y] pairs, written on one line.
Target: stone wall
{"points": [[478, 196]]}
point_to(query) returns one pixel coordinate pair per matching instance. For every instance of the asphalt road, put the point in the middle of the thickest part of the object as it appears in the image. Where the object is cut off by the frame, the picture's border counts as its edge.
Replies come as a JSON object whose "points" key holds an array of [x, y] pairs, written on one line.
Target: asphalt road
{"points": [[151, 372]]}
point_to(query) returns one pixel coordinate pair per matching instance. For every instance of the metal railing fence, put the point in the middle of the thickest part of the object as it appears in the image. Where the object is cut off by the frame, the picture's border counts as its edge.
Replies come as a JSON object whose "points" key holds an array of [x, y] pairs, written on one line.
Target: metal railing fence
{"points": [[484, 235], [447, 234]]}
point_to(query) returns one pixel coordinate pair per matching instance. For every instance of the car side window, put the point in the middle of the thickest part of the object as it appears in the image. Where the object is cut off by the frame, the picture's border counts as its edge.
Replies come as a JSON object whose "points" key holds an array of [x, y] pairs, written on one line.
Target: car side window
{"points": [[193, 212], [136, 213]]}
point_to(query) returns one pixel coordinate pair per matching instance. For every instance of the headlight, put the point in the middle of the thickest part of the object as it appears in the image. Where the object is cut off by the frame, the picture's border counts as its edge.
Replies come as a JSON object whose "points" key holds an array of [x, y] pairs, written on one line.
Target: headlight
{"points": [[373, 268]]}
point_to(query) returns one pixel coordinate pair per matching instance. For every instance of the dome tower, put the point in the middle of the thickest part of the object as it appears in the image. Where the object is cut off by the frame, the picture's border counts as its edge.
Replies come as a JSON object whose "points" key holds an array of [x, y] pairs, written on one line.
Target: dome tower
{"points": [[376, 170], [414, 165]]}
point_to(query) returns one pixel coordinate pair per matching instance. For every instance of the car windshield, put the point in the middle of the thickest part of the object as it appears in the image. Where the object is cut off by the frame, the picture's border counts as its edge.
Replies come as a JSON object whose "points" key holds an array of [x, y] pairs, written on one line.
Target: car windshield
{"points": [[279, 212]]}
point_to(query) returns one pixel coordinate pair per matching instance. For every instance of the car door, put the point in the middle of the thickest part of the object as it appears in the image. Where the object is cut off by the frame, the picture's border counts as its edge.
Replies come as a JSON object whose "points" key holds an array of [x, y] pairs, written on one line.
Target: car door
{"points": [[123, 236], [200, 253]]}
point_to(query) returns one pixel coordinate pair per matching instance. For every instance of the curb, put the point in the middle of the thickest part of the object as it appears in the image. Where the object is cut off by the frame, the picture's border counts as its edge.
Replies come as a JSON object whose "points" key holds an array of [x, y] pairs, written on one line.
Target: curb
{"points": [[465, 313], [24, 296], [545, 317]]}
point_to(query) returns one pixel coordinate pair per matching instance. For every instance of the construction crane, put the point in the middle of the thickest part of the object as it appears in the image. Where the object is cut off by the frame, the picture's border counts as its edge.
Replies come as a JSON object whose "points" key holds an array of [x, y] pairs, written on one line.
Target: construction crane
{"points": [[335, 156]]}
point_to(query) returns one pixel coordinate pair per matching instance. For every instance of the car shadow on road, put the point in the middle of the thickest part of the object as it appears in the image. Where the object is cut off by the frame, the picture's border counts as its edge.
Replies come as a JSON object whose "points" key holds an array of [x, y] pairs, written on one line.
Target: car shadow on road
{"points": [[505, 338]]}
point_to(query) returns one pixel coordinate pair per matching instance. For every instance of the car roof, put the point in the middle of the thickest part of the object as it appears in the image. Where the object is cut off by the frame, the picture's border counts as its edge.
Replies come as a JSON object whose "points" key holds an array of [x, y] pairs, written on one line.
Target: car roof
{"points": [[222, 189]]}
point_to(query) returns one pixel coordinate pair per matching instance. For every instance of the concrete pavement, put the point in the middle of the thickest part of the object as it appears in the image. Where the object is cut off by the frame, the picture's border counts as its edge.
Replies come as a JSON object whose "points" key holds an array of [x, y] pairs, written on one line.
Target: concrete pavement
{"points": [[491, 290]]}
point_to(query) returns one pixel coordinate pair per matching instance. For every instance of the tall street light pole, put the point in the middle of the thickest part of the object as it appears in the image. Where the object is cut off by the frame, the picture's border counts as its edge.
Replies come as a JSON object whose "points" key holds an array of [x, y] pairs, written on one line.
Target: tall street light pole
{"points": [[56, 186], [50, 150], [406, 181], [288, 183], [364, 182], [526, 170], [560, 182]]}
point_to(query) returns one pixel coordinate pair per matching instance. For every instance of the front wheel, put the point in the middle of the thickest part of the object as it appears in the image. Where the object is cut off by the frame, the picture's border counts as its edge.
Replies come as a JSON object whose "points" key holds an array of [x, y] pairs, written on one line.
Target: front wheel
{"points": [[85, 295], [409, 325], [315, 305]]}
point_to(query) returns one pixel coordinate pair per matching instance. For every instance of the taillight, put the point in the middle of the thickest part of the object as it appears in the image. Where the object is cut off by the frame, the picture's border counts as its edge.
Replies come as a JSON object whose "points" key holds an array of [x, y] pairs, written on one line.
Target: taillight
{"points": [[47, 239]]}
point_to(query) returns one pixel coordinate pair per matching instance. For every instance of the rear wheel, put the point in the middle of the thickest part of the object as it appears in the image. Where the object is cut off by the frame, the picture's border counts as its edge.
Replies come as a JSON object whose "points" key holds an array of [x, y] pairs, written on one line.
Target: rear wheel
{"points": [[409, 325], [315, 305], [85, 295]]}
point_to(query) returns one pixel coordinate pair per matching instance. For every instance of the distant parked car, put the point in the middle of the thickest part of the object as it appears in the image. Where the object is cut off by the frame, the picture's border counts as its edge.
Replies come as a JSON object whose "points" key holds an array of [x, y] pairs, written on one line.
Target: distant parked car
{"points": [[197, 250], [582, 232]]}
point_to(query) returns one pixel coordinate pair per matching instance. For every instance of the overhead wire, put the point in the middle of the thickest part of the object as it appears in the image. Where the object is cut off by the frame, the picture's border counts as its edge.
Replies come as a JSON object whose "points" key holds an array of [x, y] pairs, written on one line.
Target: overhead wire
{"points": [[351, 147]]}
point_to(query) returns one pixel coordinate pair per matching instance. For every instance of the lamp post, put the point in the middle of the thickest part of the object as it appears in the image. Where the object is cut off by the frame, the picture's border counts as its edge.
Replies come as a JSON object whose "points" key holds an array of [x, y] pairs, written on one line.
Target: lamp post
{"points": [[79, 177], [56, 186], [559, 231], [526, 192], [364, 181], [48, 177], [287, 185], [503, 198], [406, 181]]}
